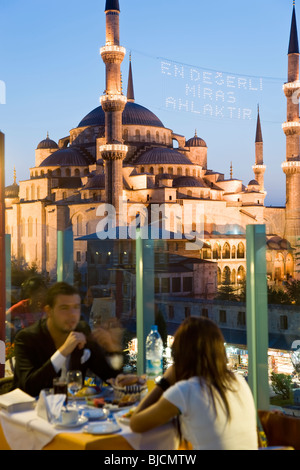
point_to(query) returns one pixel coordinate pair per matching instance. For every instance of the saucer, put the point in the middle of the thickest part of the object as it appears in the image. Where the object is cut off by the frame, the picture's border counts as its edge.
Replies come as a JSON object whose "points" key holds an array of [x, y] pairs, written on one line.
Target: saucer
{"points": [[81, 421], [105, 427]]}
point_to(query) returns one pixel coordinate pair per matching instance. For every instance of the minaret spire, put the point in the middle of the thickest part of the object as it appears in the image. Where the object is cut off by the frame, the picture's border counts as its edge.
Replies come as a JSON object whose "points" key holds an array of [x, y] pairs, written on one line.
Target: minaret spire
{"points": [[259, 168], [293, 44], [130, 91], [258, 137]]}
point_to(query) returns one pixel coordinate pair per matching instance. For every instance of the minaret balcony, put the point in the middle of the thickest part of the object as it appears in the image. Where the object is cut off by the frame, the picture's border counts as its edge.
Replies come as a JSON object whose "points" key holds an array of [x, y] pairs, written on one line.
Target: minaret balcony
{"points": [[113, 151], [291, 127], [112, 54], [259, 168], [290, 88], [291, 167], [112, 102]]}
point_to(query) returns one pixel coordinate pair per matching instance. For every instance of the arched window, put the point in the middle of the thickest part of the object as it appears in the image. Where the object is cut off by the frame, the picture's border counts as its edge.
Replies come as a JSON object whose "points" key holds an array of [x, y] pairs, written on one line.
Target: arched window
{"points": [[30, 227], [125, 134], [241, 250], [219, 276], [233, 252], [179, 171], [148, 136], [157, 137], [79, 225], [137, 135], [170, 170], [77, 172], [226, 275], [160, 170], [151, 170], [68, 172], [216, 251], [32, 192], [233, 276], [241, 275], [226, 251]]}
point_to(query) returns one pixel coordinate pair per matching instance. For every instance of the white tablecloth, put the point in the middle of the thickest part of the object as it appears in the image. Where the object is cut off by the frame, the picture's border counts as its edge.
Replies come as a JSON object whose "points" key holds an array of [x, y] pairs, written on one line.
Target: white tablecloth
{"points": [[27, 431]]}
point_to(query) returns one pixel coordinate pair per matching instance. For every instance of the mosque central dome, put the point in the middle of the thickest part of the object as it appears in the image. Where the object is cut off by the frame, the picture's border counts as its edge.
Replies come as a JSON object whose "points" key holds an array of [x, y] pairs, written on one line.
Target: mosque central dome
{"points": [[133, 113]]}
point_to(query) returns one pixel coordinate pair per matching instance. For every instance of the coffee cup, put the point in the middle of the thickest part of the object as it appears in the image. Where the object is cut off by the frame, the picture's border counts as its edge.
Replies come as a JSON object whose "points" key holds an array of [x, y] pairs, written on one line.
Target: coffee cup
{"points": [[69, 417]]}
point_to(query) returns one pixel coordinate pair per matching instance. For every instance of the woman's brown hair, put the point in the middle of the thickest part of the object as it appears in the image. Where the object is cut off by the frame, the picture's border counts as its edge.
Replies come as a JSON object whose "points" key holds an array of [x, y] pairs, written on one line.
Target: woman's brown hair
{"points": [[199, 351]]}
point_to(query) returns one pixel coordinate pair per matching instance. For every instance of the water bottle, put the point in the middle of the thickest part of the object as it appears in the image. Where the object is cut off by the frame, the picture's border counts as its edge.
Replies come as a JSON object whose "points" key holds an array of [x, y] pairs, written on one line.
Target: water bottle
{"points": [[154, 351]]}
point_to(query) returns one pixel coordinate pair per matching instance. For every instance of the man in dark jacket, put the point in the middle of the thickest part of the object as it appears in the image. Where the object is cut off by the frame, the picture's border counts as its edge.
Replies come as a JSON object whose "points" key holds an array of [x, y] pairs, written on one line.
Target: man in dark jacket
{"points": [[58, 343]]}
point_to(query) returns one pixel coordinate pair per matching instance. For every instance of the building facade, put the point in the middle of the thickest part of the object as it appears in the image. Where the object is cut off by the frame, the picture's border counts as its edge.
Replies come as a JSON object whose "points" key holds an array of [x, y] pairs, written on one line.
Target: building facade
{"points": [[123, 155]]}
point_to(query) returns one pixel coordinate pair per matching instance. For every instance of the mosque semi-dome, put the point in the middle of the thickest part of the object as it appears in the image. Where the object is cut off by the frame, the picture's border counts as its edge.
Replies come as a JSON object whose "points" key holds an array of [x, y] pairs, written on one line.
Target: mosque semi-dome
{"points": [[95, 182], [162, 155], [133, 114], [70, 156], [188, 181]]}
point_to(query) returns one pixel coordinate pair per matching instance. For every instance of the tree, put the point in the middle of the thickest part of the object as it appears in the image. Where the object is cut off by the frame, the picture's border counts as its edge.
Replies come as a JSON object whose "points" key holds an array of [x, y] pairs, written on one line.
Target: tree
{"points": [[293, 291], [282, 385]]}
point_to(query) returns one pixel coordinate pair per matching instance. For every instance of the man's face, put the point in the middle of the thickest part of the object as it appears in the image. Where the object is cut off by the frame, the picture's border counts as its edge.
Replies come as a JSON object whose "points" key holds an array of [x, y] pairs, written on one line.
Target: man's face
{"points": [[65, 314]]}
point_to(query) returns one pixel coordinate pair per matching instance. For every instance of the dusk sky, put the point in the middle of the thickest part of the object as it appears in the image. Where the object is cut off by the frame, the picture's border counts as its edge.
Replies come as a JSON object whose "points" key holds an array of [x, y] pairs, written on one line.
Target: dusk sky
{"points": [[197, 65]]}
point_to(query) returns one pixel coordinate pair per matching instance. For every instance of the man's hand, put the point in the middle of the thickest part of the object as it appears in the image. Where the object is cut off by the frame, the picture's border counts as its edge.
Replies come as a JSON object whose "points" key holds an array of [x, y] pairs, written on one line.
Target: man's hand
{"points": [[75, 339]]}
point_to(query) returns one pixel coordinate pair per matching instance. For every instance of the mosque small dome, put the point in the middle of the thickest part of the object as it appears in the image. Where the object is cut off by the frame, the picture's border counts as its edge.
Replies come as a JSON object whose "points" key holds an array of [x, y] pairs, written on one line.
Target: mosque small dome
{"points": [[12, 191], [47, 144], [253, 183], [195, 142]]}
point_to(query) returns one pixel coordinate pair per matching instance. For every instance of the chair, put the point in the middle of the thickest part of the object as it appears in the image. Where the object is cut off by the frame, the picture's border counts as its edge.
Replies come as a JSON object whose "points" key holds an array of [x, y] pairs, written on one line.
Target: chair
{"points": [[6, 384], [282, 431]]}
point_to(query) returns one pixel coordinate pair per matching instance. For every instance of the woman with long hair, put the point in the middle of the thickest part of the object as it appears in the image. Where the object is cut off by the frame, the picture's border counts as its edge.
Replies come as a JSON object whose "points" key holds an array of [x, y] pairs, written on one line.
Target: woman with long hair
{"points": [[215, 407]]}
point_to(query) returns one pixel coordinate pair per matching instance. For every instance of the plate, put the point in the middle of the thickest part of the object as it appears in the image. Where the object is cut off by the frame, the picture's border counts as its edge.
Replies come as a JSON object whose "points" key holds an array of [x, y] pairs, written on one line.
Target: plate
{"points": [[123, 419], [92, 413], [81, 421], [106, 427], [85, 397]]}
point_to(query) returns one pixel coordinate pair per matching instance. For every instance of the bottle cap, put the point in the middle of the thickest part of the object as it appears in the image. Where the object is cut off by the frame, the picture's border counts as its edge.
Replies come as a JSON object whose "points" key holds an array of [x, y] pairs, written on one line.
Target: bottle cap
{"points": [[154, 327]]}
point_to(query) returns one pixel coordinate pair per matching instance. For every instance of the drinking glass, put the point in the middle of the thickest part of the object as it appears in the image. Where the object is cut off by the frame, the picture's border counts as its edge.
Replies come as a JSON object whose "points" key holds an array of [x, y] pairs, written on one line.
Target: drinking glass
{"points": [[74, 379]]}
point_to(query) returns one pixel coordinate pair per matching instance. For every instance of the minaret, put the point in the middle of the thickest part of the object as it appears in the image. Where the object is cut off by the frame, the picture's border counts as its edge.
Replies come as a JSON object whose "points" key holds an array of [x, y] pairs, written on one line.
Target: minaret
{"points": [[113, 103], [259, 168], [130, 91], [291, 128]]}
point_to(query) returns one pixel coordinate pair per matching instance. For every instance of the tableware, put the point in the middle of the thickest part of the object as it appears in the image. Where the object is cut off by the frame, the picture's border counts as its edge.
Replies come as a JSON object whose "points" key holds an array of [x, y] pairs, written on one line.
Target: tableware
{"points": [[69, 416], [60, 386], [80, 422], [122, 418], [105, 427], [74, 380], [92, 413]]}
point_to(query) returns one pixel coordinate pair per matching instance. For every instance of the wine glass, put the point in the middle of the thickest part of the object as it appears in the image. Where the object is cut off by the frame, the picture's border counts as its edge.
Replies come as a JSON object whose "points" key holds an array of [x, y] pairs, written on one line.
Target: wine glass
{"points": [[74, 379]]}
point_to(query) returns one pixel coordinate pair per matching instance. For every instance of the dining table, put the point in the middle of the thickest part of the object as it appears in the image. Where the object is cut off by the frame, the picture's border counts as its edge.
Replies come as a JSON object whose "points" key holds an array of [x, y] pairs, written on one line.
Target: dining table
{"points": [[26, 430]]}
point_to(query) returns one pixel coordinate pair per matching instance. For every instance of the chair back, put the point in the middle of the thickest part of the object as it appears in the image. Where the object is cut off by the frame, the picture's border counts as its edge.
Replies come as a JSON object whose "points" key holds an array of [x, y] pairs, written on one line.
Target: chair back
{"points": [[281, 430]]}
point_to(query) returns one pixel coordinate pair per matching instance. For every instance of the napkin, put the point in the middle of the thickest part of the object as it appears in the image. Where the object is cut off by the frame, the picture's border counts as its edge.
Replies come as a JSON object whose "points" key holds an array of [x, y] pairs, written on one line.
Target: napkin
{"points": [[49, 406]]}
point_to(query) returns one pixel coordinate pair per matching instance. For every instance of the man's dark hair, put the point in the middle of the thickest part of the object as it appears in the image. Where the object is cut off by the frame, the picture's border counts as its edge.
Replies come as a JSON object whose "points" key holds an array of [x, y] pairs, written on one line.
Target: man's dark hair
{"points": [[60, 288]]}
